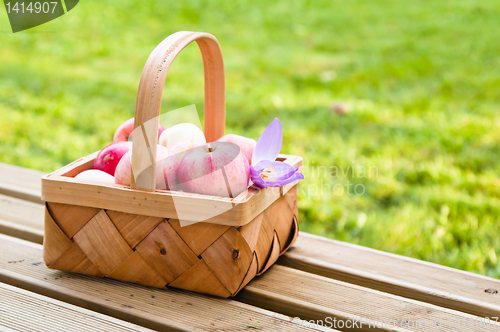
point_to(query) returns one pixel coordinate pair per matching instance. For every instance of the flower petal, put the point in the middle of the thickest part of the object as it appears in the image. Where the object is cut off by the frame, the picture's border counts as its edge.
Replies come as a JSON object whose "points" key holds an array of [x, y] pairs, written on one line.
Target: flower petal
{"points": [[257, 179], [260, 166], [282, 170], [256, 170], [269, 144], [279, 183]]}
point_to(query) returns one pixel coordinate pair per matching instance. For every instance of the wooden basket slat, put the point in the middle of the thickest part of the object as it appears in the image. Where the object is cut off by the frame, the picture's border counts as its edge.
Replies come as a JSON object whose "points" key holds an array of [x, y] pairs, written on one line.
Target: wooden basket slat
{"points": [[273, 257], [198, 236], [251, 231], [164, 250], [133, 233], [75, 260], [71, 218], [134, 228], [59, 187], [291, 198], [135, 269], [102, 243], [292, 237], [212, 269], [55, 242], [199, 278], [264, 241], [284, 220], [229, 257], [251, 273]]}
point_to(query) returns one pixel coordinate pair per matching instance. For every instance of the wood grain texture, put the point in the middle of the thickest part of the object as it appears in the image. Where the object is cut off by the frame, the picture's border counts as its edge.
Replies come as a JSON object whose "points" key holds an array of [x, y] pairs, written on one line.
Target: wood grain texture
{"points": [[23, 232], [21, 183], [21, 218], [199, 278], [273, 256], [432, 283], [264, 241], [70, 218], [157, 309], [229, 257], [251, 231], [133, 227], [395, 274], [151, 85], [58, 188], [56, 243], [135, 269], [21, 211], [102, 243], [284, 216], [251, 273], [28, 311], [308, 296], [164, 255], [158, 204], [290, 198], [75, 260], [165, 251], [198, 236]]}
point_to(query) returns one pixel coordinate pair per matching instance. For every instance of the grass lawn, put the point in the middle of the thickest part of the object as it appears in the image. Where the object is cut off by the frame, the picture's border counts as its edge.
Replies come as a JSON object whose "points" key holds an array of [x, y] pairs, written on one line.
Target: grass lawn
{"points": [[421, 79]]}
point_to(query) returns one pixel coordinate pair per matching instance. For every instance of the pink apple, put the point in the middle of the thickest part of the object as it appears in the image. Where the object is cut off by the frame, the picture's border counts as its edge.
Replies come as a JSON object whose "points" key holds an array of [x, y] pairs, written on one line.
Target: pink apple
{"points": [[247, 145], [182, 148], [218, 169], [166, 169], [124, 132], [95, 175], [110, 156]]}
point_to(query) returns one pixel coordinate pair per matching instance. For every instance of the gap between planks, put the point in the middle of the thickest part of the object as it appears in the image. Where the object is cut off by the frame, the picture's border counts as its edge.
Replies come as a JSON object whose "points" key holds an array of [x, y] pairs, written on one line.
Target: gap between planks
{"points": [[309, 296], [358, 265], [158, 309], [281, 289], [22, 219], [355, 264], [428, 282], [28, 311], [21, 182]]}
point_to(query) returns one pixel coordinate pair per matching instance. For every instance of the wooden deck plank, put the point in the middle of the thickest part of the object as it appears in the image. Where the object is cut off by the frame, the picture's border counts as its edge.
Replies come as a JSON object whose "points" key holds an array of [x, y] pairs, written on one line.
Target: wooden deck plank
{"points": [[301, 294], [399, 275], [21, 218], [359, 265], [21, 265], [28, 311], [281, 289], [21, 182]]}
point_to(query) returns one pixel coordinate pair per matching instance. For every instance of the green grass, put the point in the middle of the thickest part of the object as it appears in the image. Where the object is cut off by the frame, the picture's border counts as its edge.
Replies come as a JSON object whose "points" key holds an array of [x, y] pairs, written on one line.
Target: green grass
{"points": [[421, 80]]}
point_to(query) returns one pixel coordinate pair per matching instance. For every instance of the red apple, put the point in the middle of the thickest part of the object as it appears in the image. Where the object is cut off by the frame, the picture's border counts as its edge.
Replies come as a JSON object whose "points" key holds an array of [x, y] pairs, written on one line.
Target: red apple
{"points": [[95, 176], [124, 132], [247, 145], [218, 169], [166, 169], [110, 156]]}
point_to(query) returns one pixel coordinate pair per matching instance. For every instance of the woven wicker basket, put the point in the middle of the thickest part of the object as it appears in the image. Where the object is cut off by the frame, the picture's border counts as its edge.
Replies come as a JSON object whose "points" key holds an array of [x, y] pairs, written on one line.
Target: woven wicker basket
{"points": [[133, 234]]}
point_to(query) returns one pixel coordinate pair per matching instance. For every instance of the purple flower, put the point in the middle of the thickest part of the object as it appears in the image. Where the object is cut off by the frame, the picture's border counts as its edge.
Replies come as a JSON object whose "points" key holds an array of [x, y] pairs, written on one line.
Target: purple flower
{"points": [[265, 171]]}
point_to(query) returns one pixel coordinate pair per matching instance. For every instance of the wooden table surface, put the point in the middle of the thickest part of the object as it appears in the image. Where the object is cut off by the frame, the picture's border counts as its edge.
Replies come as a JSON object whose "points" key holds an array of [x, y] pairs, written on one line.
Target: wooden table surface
{"points": [[341, 286]]}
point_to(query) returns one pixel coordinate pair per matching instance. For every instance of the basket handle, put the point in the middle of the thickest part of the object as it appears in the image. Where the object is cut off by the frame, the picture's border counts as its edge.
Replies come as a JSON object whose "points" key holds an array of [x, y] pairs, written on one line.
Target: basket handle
{"points": [[149, 98]]}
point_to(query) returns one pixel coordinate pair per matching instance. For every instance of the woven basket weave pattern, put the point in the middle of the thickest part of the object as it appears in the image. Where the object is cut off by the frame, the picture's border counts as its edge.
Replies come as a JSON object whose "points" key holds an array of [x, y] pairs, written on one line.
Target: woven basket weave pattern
{"points": [[131, 234], [206, 258]]}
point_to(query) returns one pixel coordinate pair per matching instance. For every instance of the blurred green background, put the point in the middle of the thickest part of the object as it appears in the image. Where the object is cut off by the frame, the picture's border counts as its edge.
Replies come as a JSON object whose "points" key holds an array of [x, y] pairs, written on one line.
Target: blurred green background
{"points": [[420, 81]]}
